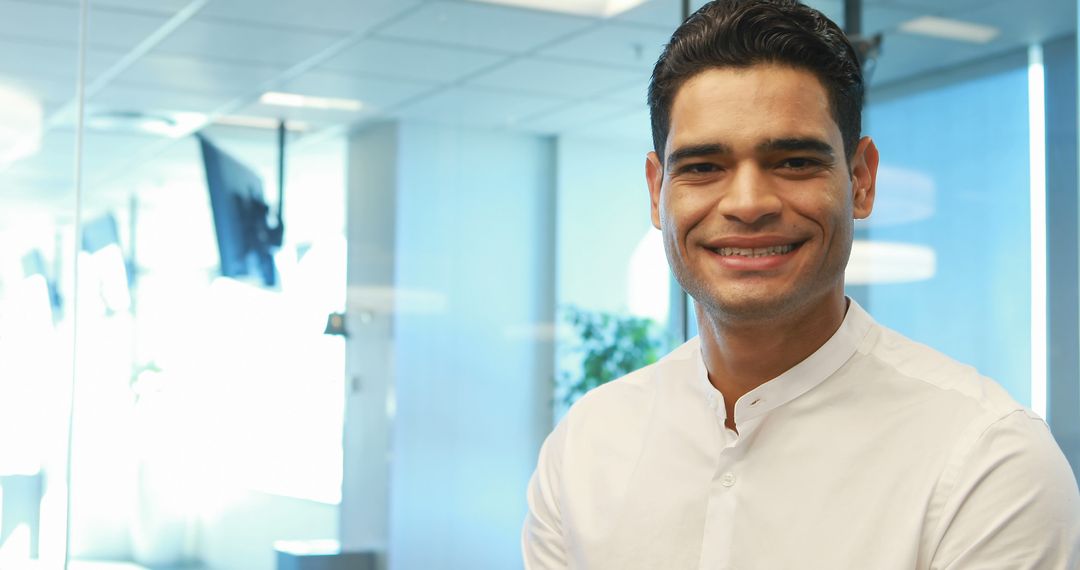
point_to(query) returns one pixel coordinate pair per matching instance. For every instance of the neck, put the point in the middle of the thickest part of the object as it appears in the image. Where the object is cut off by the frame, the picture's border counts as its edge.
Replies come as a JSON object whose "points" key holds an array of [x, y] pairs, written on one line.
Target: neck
{"points": [[741, 356]]}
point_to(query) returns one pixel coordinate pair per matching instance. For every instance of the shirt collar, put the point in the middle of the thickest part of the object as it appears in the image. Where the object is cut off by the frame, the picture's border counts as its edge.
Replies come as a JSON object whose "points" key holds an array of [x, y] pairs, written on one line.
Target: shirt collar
{"points": [[798, 379]]}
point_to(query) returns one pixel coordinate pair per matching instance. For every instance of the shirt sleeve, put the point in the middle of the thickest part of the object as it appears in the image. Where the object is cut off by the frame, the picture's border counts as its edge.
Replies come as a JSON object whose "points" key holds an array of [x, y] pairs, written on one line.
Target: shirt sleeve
{"points": [[1014, 503], [542, 543]]}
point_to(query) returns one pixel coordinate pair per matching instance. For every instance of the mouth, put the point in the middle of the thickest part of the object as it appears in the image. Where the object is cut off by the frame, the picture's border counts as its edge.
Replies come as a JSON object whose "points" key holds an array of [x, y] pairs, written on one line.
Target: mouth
{"points": [[752, 252]]}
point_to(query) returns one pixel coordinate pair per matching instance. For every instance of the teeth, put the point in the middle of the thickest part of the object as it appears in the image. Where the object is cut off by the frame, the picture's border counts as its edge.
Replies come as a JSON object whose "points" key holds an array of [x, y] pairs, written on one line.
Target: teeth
{"points": [[756, 251]]}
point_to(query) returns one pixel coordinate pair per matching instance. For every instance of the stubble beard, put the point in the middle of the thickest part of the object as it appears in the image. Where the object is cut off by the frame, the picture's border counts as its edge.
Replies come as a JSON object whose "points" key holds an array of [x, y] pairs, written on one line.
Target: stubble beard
{"points": [[742, 305]]}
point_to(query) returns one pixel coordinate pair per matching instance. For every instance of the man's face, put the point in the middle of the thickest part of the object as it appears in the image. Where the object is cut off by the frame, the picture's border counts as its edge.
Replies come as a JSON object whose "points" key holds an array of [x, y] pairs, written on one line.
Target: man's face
{"points": [[754, 195]]}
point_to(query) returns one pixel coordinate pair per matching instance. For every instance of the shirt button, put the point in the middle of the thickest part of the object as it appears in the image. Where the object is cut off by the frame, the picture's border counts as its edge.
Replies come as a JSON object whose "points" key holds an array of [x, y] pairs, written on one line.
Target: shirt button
{"points": [[728, 479]]}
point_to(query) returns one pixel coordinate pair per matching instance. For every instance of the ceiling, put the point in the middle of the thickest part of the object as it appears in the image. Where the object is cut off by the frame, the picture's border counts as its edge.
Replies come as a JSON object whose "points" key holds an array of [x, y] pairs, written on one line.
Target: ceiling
{"points": [[453, 61]]}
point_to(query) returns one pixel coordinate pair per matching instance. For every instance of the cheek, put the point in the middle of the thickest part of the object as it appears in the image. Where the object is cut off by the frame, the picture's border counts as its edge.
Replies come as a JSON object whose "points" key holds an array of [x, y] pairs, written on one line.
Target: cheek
{"points": [[832, 210], [682, 209]]}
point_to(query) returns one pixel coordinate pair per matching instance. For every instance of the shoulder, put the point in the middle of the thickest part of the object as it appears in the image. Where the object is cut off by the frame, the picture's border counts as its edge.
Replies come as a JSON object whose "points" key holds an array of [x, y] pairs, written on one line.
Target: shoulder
{"points": [[918, 368], [1004, 490], [1009, 495]]}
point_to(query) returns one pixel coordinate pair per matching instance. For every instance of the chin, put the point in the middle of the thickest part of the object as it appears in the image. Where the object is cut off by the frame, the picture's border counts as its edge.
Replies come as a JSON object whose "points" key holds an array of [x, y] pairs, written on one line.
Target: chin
{"points": [[732, 304]]}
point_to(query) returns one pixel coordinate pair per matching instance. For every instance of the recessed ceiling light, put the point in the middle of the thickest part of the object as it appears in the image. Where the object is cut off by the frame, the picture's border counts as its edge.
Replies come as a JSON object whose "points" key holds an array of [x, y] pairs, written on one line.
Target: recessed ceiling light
{"points": [[598, 8], [950, 29], [308, 102]]}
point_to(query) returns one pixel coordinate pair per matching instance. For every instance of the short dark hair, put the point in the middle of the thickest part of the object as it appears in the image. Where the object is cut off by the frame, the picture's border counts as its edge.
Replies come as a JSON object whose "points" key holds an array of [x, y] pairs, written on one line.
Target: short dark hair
{"points": [[743, 33]]}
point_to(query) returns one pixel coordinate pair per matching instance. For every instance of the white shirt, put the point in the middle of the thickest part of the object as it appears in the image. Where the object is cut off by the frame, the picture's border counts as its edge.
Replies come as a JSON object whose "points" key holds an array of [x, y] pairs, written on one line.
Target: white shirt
{"points": [[875, 453]]}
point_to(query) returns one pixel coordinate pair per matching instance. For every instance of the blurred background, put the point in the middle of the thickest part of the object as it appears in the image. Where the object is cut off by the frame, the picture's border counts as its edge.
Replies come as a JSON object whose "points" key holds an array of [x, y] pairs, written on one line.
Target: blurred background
{"points": [[291, 283]]}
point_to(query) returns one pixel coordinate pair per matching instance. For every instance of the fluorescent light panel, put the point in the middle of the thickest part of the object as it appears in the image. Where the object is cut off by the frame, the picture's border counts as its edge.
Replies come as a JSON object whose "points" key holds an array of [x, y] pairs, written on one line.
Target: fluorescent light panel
{"points": [[597, 8], [950, 29], [308, 102]]}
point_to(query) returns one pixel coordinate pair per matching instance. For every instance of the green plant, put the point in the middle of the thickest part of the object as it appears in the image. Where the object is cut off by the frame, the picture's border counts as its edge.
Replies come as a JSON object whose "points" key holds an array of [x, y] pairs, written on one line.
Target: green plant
{"points": [[607, 347]]}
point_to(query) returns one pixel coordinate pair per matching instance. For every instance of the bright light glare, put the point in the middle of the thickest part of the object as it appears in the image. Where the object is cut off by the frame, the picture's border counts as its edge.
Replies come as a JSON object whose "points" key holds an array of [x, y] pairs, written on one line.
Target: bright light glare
{"points": [[876, 262], [308, 102], [599, 8], [1037, 149], [109, 267], [21, 117], [17, 547], [648, 279], [308, 547], [26, 351]]}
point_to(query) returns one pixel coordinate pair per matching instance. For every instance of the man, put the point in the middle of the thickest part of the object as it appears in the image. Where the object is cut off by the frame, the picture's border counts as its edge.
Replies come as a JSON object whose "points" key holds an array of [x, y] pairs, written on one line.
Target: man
{"points": [[795, 432]]}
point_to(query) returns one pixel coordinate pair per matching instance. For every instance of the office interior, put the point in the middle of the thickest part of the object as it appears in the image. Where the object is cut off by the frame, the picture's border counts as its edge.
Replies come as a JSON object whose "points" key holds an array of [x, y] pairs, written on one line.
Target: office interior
{"points": [[295, 281]]}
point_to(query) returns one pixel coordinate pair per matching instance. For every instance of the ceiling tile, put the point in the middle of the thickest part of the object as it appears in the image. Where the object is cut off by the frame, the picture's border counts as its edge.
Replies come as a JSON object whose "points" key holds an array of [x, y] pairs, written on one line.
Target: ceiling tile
{"points": [[376, 93], [483, 26], [59, 23], [884, 19], [120, 97], [410, 61], [574, 117], [665, 15], [936, 7], [119, 29], [344, 16], [634, 95], [633, 127], [876, 17], [157, 6], [1038, 21], [906, 55], [198, 75], [53, 61], [52, 22], [614, 44], [236, 42], [476, 107], [316, 119], [51, 92], [555, 78]]}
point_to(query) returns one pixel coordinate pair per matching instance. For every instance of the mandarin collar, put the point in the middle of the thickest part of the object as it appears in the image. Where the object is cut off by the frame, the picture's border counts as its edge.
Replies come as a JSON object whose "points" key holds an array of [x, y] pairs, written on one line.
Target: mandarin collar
{"points": [[798, 379]]}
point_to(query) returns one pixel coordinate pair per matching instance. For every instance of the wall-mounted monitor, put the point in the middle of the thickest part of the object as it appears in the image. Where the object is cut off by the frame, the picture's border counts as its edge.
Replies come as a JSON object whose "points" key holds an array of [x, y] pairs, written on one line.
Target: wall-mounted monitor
{"points": [[246, 240]]}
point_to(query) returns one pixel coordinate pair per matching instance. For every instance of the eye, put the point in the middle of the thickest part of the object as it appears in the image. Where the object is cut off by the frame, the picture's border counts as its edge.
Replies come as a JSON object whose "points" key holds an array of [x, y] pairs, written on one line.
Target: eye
{"points": [[799, 163], [698, 168]]}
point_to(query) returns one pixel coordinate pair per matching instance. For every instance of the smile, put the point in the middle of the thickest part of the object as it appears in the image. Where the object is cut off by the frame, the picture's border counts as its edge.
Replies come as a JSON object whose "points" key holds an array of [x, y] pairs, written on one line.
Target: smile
{"points": [[755, 251]]}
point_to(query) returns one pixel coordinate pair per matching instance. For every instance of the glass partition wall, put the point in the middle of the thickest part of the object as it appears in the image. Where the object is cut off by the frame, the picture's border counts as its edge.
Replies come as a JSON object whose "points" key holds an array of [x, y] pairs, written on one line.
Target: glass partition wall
{"points": [[324, 275], [39, 284]]}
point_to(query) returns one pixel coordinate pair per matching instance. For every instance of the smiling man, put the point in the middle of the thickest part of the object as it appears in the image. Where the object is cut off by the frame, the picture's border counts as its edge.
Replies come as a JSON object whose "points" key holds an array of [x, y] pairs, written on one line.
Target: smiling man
{"points": [[795, 432]]}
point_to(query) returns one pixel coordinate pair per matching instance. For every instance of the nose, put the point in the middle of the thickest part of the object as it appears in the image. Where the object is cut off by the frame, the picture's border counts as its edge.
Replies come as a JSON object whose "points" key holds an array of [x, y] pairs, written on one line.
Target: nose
{"points": [[750, 197]]}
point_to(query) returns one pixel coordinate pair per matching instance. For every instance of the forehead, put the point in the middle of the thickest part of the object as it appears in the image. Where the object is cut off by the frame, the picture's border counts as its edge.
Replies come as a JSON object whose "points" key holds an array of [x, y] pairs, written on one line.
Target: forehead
{"points": [[754, 103]]}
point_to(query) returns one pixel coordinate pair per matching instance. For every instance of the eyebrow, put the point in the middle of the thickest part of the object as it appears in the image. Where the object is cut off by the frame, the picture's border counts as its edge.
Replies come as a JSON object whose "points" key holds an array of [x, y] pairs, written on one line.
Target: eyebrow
{"points": [[695, 151], [797, 143], [772, 145]]}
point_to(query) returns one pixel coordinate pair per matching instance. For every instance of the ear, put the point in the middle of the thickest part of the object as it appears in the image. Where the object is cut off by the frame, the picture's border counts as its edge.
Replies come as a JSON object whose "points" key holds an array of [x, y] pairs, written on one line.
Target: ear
{"points": [[864, 167], [654, 176]]}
